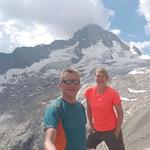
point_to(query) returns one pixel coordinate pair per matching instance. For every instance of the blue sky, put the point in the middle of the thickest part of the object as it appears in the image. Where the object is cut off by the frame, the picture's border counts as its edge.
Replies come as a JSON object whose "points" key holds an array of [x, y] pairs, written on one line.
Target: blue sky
{"points": [[128, 19], [32, 22]]}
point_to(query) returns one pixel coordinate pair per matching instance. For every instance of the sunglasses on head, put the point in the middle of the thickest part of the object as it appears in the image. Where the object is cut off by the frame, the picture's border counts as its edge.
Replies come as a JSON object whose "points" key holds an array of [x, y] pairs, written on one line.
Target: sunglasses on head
{"points": [[68, 82]]}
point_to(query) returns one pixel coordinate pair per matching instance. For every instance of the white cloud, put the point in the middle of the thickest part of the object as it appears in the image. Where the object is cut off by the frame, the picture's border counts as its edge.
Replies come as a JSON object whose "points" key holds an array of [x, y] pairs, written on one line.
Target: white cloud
{"points": [[116, 31], [30, 36], [45, 19], [144, 9], [141, 45], [16, 34]]}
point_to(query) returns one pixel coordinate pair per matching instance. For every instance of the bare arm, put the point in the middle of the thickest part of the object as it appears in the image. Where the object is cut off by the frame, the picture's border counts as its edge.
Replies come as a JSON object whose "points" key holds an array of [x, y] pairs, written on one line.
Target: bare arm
{"points": [[50, 135], [119, 111], [89, 116]]}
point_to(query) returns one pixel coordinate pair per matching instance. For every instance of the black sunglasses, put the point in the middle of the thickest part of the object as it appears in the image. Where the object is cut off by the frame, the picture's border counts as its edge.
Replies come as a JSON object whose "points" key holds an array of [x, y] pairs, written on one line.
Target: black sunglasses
{"points": [[68, 82]]}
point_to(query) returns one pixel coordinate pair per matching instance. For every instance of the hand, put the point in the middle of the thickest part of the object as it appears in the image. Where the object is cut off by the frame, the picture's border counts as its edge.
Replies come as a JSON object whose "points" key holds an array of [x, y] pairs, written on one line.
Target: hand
{"points": [[90, 129]]}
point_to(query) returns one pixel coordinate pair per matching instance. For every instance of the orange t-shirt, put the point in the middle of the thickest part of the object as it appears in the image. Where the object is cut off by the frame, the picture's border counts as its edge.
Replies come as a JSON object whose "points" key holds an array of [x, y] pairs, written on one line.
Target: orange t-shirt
{"points": [[102, 108], [60, 137]]}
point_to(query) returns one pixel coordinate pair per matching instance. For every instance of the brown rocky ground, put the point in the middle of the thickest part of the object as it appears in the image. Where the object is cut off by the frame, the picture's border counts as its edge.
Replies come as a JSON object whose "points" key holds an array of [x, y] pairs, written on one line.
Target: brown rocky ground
{"points": [[22, 106]]}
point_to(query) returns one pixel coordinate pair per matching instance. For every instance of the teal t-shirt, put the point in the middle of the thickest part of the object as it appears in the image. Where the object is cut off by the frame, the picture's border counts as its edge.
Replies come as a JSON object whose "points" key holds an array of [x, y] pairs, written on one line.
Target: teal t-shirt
{"points": [[73, 121]]}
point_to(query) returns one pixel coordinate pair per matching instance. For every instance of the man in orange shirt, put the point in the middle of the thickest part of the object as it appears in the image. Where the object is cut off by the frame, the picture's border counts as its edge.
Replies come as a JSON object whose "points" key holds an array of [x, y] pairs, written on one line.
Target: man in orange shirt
{"points": [[105, 114]]}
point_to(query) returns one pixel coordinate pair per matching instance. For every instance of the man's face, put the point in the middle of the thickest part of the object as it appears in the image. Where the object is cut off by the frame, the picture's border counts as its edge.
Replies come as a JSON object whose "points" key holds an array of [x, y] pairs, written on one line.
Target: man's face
{"points": [[70, 84]]}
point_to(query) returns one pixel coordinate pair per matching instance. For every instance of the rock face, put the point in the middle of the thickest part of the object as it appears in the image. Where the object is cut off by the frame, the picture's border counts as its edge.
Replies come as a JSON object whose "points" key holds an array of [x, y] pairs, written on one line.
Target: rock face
{"points": [[135, 87], [21, 112], [22, 57], [25, 92], [86, 37], [22, 106]]}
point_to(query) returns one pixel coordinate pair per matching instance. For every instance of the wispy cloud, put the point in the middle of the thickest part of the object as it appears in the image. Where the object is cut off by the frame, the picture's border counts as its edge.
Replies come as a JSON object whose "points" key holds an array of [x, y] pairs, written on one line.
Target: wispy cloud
{"points": [[47, 20], [144, 9]]}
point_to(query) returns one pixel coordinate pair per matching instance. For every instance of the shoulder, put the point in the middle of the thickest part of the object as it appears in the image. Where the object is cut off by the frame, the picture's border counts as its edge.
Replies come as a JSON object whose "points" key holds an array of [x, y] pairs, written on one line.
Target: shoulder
{"points": [[51, 114], [91, 88], [53, 106], [115, 95], [53, 103], [112, 90], [89, 91]]}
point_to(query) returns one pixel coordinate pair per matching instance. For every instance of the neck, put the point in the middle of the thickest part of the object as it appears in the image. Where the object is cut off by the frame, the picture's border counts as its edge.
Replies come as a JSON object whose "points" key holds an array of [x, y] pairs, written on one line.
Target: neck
{"points": [[68, 99], [101, 88]]}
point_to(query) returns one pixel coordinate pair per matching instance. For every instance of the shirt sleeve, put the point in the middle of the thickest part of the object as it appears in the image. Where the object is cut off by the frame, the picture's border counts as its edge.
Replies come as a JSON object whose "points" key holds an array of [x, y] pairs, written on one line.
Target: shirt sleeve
{"points": [[116, 98], [51, 117]]}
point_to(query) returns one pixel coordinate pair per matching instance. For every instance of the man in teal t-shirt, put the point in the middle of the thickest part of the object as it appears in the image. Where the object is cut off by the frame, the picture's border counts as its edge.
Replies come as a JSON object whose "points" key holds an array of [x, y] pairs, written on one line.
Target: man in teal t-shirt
{"points": [[64, 118]]}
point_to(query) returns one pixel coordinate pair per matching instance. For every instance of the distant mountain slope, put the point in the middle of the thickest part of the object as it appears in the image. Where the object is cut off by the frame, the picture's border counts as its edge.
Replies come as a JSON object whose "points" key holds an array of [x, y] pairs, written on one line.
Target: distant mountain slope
{"points": [[134, 89], [24, 98], [86, 37], [22, 57]]}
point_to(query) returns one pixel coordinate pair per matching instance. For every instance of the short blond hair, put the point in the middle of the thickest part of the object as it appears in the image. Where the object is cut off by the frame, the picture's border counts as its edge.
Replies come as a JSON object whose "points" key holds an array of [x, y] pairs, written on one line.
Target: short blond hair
{"points": [[68, 70], [101, 70]]}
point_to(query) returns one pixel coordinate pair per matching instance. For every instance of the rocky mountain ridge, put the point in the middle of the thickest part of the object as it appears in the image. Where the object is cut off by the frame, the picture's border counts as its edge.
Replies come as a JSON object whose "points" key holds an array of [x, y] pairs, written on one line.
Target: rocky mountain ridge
{"points": [[22, 106], [24, 92], [86, 37]]}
